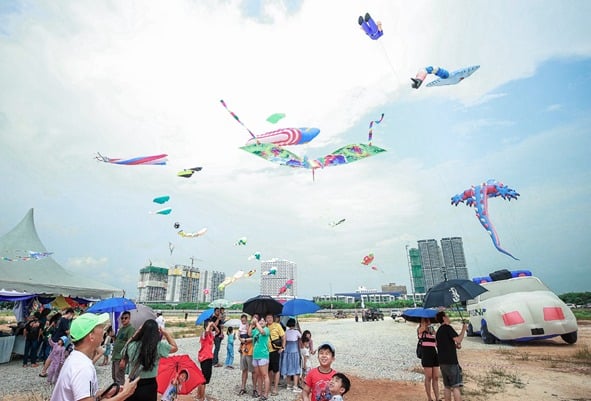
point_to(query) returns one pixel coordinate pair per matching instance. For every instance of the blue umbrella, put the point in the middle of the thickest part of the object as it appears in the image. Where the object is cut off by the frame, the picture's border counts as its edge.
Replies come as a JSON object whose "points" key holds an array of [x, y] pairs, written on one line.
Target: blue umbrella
{"points": [[297, 306], [110, 305], [416, 314], [206, 314]]}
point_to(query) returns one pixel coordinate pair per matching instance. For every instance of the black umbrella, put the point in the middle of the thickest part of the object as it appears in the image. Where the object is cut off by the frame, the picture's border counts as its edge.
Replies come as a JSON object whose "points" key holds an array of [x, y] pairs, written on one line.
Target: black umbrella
{"points": [[451, 292], [262, 305]]}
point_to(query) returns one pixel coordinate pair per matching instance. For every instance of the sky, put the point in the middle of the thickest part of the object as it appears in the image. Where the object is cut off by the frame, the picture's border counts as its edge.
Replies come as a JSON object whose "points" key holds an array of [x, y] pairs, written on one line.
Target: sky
{"points": [[142, 77]]}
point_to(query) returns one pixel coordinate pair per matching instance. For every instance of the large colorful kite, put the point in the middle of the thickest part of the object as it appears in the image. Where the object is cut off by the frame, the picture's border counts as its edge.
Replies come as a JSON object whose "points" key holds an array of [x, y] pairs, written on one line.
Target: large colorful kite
{"points": [[477, 196], [370, 27], [282, 137], [445, 77], [288, 284], [27, 256], [240, 274], [346, 154], [367, 259], [188, 172], [135, 161]]}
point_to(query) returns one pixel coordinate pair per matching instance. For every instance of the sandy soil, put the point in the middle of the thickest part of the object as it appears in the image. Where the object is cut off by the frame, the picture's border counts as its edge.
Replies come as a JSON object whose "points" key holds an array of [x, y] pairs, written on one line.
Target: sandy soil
{"points": [[543, 370]]}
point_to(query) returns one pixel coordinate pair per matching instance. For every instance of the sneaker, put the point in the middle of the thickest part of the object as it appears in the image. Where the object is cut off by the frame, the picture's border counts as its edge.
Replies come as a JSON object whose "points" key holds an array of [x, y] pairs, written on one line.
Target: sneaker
{"points": [[242, 391], [290, 387], [360, 20], [297, 390], [416, 83], [262, 398], [255, 394], [367, 17]]}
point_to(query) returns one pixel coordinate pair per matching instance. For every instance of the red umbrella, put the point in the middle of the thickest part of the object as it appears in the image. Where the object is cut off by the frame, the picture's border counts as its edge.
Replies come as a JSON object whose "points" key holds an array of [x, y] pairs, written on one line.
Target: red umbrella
{"points": [[170, 372]]}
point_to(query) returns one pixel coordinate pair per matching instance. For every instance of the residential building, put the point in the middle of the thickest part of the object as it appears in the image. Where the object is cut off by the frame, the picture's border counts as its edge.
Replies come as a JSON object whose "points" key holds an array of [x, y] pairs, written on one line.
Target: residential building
{"points": [[437, 263], [152, 284], [278, 285], [454, 260]]}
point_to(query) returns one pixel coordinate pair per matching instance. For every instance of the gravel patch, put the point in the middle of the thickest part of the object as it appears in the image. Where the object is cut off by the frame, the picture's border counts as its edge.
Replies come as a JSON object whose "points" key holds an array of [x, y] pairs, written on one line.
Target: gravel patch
{"points": [[372, 350]]}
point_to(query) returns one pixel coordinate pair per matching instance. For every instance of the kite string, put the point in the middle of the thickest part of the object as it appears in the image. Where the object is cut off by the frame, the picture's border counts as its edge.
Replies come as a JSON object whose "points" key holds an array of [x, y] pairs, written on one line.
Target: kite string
{"points": [[236, 118], [370, 134], [388, 59]]}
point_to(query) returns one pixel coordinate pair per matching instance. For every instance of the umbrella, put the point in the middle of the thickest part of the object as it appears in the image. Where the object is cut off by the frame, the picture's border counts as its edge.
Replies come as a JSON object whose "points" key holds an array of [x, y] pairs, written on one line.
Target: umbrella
{"points": [[206, 314], [297, 306], [141, 314], [232, 323], [261, 305], [416, 314], [169, 369], [109, 305], [451, 292], [221, 303]]}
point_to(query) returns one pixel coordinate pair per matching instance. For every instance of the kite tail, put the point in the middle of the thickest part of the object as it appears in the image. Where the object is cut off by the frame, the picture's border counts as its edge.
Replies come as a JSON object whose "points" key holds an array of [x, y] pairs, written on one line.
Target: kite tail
{"points": [[236, 118], [481, 195], [370, 135]]}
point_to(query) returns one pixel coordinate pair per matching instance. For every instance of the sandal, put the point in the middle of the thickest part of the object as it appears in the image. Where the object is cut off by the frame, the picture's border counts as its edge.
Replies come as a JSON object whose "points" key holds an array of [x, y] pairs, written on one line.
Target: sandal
{"points": [[274, 394], [242, 391], [42, 374]]}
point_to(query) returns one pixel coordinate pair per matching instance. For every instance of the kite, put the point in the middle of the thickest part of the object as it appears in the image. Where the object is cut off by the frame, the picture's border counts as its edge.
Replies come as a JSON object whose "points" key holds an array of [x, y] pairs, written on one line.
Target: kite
{"points": [[445, 77], [367, 259], [372, 122], [192, 235], [370, 27], [287, 286], [166, 210], [188, 172], [161, 199], [241, 241], [274, 118], [282, 137], [145, 160], [170, 247], [206, 291], [237, 276], [30, 255], [278, 155], [176, 225], [477, 196], [336, 223], [271, 272], [256, 255]]}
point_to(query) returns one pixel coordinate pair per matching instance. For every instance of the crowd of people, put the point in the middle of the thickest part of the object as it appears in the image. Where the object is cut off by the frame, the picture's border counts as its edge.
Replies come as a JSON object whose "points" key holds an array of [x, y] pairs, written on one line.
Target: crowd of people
{"points": [[275, 355]]}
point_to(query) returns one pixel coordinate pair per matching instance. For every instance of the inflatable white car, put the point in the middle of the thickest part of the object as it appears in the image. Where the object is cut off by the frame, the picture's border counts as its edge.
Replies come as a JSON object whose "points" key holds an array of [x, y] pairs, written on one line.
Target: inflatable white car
{"points": [[518, 307]]}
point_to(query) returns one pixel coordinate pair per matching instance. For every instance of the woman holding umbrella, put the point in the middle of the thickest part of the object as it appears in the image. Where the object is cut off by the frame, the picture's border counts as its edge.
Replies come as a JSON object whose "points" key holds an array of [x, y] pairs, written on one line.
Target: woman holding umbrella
{"points": [[429, 360]]}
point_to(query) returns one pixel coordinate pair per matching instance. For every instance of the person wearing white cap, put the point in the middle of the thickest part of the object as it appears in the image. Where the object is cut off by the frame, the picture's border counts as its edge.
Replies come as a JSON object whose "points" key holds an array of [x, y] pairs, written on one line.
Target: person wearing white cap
{"points": [[78, 380]]}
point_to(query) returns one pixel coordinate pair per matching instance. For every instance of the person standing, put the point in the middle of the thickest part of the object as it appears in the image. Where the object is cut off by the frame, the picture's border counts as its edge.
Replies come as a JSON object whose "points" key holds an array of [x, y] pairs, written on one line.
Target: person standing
{"points": [[448, 342], [32, 334], [160, 320], [62, 328], [290, 362], [217, 319], [230, 348], [205, 356], [317, 381], [260, 356], [246, 348], [144, 351], [276, 347], [429, 360], [77, 380], [123, 334]]}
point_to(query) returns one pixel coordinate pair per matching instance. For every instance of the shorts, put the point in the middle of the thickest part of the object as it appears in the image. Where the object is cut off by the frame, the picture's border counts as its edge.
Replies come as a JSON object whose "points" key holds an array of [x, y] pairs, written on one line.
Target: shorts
{"points": [[206, 367], [108, 349], [429, 359], [246, 363], [260, 362], [274, 358], [452, 376]]}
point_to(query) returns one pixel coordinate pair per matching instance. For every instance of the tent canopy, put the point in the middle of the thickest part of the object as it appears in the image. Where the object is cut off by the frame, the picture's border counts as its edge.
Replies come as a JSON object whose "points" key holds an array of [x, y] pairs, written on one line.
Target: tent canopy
{"points": [[45, 275]]}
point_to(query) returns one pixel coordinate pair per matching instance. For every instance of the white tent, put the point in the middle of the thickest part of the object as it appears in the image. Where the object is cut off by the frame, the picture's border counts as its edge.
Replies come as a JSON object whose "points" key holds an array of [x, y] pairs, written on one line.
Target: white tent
{"points": [[45, 275]]}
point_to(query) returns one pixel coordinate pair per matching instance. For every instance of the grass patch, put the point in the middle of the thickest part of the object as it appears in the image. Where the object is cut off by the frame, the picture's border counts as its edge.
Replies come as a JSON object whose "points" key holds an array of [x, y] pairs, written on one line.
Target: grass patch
{"points": [[583, 354], [495, 381]]}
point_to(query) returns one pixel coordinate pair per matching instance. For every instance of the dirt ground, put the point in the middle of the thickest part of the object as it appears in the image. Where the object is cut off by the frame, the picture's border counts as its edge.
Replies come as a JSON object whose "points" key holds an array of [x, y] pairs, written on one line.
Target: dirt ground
{"points": [[542, 370]]}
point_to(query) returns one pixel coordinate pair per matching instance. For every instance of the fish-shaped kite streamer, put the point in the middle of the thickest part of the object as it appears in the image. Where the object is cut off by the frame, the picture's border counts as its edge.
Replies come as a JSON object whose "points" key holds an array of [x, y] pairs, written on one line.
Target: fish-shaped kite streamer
{"points": [[256, 255], [188, 172], [445, 77], [287, 286], [164, 211], [161, 199], [336, 223], [135, 161], [28, 255], [282, 137], [477, 196], [241, 241], [367, 259], [192, 235], [271, 272], [236, 276]]}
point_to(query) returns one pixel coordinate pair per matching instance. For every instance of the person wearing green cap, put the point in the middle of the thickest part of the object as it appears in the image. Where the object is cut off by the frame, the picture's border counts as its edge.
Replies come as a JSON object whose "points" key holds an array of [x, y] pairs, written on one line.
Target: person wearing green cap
{"points": [[78, 380]]}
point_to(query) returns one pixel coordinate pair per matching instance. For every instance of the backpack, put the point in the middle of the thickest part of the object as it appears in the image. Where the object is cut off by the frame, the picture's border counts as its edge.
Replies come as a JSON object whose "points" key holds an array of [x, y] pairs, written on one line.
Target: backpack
{"points": [[420, 346]]}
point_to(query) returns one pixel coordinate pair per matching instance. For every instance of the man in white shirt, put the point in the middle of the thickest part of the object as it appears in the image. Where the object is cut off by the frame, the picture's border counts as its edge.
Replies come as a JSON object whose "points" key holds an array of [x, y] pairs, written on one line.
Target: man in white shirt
{"points": [[77, 380], [160, 320]]}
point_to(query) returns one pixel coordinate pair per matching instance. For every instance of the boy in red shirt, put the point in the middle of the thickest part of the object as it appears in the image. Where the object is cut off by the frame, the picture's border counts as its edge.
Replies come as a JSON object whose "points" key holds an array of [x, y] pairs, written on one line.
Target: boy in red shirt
{"points": [[317, 381]]}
